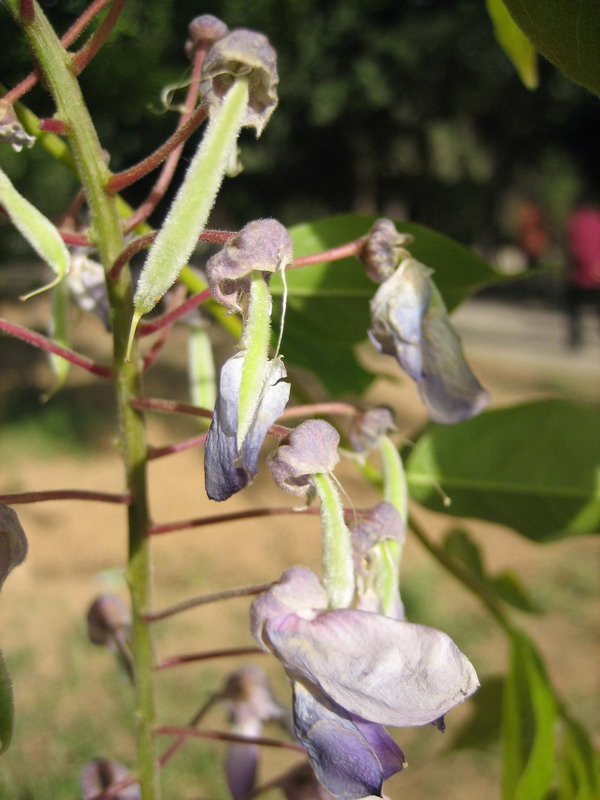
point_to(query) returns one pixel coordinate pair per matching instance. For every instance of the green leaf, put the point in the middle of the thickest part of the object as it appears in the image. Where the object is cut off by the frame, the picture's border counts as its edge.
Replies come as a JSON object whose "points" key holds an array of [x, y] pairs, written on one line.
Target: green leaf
{"points": [[514, 43], [506, 585], [482, 728], [328, 304], [534, 468], [528, 725], [579, 767], [566, 32], [6, 706]]}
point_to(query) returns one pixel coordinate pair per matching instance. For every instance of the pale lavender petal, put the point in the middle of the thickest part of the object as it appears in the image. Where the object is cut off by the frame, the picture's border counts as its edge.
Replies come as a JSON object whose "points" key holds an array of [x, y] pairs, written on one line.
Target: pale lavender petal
{"points": [[449, 389], [226, 470], [342, 758], [382, 669], [389, 754], [241, 768], [310, 448], [298, 591], [368, 428]]}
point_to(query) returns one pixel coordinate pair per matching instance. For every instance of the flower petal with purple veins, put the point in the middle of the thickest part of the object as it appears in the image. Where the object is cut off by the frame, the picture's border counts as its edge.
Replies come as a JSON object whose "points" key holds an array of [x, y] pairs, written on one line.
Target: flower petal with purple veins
{"points": [[226, 469]]}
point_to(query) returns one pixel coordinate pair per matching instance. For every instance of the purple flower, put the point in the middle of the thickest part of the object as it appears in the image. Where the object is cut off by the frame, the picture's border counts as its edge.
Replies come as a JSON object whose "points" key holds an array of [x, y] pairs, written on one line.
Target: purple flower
{"points": [[353, 672], [409, 321], [228, 469]]}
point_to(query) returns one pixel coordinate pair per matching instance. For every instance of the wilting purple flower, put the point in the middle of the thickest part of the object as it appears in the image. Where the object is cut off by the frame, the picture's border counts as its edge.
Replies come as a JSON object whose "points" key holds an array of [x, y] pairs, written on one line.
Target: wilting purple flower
{"points": [[250, 704], [383, 248], [369, 426], [409, 321], [226, 469], [310, 448], [87, 283], [353, 672]]}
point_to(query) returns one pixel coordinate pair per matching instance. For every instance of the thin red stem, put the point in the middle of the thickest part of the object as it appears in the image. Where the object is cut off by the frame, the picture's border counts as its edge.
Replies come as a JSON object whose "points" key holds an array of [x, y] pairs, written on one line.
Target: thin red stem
{"points": [[199, 522], [123, 179], [178, 447], [165, 177], [176, 745], [53, 125], [93, 45], [176, 661], [335, 254], [169, 407], [154, 351], [63, 494], [37, 340], [75, 239], [26, 11], [174, 730], [134, 246], [168, 319], [309, 410], [205, 599], [76, 28]]}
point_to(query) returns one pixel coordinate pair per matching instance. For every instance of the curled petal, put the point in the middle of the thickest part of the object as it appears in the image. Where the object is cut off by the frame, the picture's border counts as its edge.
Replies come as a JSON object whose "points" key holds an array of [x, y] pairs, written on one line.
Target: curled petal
{"points": [[298, 591], [383, 249], [311, 448], [13, 542], [242, 53], [382, 669], [227, 470], [350, 757], [263, 245]]}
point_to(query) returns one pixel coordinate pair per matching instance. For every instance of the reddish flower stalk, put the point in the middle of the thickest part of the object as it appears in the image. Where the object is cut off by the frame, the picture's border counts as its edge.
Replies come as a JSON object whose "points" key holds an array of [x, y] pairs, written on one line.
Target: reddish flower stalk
{"points": [[75, 239], [335, 254], [168, 170], [26, 11], [176, 745], [93, 45], [173, 730], [123, 179], [37, 340], [134, 246], [311, 409], [64, 494], [199, 522], [176, 661], [53, 125], [214, 597], [168, 319], [178, 447], [76, 28], [169, 407]]}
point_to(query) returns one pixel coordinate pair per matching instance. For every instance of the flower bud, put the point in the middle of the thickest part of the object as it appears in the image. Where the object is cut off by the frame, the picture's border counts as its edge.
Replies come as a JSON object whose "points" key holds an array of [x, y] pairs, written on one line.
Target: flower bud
{"points": [[263, 245], [107, 618], [368, 428], [383, 249], [11, 130], [242, 53], [204, 30], [101, 773], [311, 448], [13, 542]]}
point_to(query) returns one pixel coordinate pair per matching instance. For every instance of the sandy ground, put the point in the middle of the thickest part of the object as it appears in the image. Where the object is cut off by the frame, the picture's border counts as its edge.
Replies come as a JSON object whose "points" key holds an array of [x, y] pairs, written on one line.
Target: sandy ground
{"points": [[77, 551]]}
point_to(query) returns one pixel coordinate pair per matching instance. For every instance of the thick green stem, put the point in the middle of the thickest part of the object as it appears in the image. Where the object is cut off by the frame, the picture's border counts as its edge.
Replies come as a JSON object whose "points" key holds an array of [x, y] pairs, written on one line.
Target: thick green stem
{"points": [[56, 67], [338, 567]]}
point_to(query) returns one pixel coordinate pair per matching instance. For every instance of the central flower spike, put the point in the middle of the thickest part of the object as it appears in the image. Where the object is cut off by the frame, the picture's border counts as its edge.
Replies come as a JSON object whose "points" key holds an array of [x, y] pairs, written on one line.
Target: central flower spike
{"points": [[252, 390], [353, 672]]}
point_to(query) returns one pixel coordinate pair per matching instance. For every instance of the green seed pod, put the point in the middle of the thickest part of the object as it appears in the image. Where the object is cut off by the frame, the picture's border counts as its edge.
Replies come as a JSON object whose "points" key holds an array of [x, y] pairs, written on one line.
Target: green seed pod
{"points": [[41, 234]]}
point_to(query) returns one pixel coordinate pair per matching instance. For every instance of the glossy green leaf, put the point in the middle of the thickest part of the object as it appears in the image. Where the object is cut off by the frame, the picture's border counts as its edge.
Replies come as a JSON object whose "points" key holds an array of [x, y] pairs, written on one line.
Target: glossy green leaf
{"points": [[566, 32], [506, 585], [534, 468], [328, 304], [528, 725], [6, 706], [514, 43]]}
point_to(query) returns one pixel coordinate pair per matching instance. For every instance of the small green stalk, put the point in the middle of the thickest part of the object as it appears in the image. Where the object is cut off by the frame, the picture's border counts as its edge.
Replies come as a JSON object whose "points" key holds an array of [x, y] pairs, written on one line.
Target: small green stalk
{"points": [[338, 567], [55, 64], [395, 487], [387, 574], [255, 345]]}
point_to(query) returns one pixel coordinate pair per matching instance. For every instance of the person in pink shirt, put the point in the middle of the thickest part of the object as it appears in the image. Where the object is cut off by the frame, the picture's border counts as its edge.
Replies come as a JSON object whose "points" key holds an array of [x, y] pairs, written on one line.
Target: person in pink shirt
{"points": [[583, 276]]}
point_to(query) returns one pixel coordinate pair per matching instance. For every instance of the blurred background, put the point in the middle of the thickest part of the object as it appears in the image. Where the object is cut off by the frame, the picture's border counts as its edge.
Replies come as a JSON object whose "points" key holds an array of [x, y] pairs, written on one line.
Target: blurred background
{"points": [[409, 110]]}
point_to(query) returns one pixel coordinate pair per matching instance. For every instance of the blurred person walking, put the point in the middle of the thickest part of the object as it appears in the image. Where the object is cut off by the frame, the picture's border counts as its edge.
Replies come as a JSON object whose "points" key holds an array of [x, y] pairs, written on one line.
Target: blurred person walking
{"points": [[583, 273]]}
